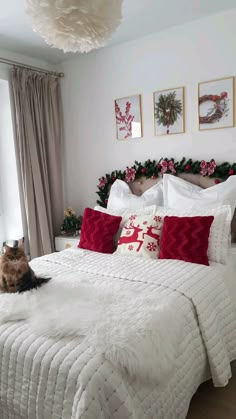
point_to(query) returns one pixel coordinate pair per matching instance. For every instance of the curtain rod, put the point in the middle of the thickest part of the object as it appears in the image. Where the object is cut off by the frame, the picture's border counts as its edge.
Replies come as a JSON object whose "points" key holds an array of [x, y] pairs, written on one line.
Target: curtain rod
{"points": [[30, 67]]}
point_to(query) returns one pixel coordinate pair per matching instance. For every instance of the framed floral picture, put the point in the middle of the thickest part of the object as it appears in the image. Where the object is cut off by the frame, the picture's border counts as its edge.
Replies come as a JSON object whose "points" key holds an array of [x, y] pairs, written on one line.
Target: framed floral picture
{"points": [[169, 111], [128, 117], [216, 104]]}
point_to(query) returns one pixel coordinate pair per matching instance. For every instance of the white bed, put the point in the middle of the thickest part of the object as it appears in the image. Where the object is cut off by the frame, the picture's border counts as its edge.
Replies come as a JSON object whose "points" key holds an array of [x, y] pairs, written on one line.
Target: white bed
{"points": [[44, 378]]}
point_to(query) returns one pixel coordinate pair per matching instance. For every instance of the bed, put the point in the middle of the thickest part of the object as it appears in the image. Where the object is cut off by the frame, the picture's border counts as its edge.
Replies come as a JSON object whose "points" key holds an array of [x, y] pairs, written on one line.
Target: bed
{"points": [[70, 378]]}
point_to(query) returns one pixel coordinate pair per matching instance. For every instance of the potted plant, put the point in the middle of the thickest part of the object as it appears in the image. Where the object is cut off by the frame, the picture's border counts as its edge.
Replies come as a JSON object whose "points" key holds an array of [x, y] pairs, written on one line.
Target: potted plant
{"points": [[71, 223]]}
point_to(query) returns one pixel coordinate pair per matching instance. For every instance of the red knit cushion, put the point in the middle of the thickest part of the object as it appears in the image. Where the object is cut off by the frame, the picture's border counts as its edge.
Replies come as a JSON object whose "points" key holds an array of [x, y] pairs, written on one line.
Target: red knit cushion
{"points": [[186, 238], [98, 230]]}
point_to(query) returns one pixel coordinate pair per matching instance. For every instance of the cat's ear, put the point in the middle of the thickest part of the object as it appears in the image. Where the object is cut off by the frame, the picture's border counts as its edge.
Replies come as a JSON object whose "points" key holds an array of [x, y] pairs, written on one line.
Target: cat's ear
{"points": [[20, 244], [8, 249]]}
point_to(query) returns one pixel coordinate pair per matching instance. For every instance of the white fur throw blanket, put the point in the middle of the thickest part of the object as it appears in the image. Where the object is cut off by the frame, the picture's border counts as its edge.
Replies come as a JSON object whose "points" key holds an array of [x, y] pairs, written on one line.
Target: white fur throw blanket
{"points": [[139, 335]]}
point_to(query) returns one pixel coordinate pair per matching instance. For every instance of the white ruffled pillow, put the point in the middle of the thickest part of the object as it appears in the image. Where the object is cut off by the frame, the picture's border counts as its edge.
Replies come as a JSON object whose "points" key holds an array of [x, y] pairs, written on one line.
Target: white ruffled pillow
{"points": [[178, 193], [121, 196], [219, 239]]}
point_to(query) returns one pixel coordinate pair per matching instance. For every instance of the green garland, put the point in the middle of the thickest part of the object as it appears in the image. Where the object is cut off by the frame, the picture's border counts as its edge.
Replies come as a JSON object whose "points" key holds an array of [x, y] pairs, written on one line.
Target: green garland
{"points": [[152, 169]]}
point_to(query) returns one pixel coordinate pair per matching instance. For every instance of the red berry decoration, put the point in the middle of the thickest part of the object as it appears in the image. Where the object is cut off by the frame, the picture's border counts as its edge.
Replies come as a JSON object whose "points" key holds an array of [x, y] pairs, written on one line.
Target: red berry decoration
{"points": [[231, 172], [113, 179], [188, 167], [153, 177], [143, 170], [217, 181]]}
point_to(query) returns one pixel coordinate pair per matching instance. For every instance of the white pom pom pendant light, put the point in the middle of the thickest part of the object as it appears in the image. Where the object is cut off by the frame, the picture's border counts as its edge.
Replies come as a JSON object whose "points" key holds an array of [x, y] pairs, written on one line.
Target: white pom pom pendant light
{"points": [[75, 25]]}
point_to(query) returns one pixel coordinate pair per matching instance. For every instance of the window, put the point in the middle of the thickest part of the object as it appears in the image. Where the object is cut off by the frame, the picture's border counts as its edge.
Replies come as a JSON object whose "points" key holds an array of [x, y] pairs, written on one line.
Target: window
{"points": [[10, 209]]}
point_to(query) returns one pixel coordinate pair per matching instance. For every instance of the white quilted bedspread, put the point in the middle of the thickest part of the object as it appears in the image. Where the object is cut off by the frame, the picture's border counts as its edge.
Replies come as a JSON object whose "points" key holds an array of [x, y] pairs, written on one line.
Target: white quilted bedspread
{"points": [[68, 379]]}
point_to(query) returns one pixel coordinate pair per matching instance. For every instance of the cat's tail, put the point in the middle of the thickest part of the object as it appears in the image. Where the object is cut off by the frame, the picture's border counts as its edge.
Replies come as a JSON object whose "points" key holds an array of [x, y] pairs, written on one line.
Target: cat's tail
{"points": [[40, 280], [30, 283]]}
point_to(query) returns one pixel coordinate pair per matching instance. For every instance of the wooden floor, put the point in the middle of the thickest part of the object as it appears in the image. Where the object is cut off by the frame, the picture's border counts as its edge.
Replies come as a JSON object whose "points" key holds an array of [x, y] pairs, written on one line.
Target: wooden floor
{"points": [[215, 403]]}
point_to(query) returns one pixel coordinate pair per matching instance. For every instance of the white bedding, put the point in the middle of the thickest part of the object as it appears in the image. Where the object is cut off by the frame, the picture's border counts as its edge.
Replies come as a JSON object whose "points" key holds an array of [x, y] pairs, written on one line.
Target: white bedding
{"points": [[67, 378]]}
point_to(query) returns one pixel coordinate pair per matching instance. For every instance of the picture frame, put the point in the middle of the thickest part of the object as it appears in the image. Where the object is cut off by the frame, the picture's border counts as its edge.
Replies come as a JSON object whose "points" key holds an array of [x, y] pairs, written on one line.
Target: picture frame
{"points": [[128, 117], [169, 111], [216, 104]]}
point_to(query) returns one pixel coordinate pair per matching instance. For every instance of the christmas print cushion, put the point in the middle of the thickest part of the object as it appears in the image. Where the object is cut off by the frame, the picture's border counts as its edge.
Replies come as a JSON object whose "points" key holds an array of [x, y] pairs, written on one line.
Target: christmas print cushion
{"points": [[178, 193], [98, 231], [186, 238], [140, 236], [125, 213], [121, 196]]}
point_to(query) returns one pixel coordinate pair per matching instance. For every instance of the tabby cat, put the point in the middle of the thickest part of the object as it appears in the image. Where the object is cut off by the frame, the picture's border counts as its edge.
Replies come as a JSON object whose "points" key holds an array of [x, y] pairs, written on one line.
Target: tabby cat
{"points": [[15, 272]]}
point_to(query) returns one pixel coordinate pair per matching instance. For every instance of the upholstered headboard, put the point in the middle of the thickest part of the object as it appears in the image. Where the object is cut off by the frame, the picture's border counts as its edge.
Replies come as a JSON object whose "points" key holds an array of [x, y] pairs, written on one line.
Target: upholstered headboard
{"points": [[139, 186]]}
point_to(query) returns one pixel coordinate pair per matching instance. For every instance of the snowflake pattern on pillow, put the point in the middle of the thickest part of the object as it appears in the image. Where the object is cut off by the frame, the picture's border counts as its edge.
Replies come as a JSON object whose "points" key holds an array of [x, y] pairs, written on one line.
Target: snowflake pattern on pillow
{"points": [[140, 236]]}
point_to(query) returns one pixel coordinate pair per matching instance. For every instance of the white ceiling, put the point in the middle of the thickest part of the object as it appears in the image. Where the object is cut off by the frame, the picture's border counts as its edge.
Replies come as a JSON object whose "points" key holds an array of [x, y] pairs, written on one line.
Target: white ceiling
{"points": [[140, 18]]}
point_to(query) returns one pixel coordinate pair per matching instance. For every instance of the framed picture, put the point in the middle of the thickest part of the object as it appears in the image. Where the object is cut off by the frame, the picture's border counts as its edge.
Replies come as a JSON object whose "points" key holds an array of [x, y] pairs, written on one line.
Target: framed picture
{"points": [[169, 111], [128, 117], [216, 104]]}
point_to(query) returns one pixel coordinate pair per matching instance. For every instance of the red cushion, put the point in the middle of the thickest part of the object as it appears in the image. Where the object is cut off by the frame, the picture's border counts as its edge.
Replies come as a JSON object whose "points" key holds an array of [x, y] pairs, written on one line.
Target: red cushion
{"points": [[186, 238], [98, 230]]}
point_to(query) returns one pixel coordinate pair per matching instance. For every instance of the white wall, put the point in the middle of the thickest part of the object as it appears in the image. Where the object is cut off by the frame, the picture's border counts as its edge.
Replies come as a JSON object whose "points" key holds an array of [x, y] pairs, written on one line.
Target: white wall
{"points": [[183, 56]]}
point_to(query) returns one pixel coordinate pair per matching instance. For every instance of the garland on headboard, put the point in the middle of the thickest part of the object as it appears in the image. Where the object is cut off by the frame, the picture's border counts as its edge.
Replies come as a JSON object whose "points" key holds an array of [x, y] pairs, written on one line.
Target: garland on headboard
{"points": [[152, 169]]}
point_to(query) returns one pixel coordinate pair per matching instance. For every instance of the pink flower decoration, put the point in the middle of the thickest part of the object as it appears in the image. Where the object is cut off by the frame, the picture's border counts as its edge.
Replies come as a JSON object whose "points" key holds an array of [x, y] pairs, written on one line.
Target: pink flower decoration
{"points": [[171, 166], [132, 217], [207, 168], [130, 174], [130, 247], [166, 165], [211, 167], [102, 183], [204, 168]]}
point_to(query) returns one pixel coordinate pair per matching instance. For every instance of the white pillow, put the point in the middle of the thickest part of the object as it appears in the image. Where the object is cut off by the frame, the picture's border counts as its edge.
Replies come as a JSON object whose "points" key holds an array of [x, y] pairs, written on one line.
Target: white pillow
{"points": [[178, 193], [219, 239], [125, 214], [121, 196]]}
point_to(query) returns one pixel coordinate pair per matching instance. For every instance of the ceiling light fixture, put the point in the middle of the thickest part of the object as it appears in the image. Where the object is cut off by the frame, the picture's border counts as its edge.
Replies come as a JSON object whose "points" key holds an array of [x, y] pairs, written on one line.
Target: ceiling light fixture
{"points": [[75, 25]]}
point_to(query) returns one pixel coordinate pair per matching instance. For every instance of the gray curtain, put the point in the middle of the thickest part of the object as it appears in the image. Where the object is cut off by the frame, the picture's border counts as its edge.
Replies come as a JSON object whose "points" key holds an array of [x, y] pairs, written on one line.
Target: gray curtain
{"points": [[39, 134]]}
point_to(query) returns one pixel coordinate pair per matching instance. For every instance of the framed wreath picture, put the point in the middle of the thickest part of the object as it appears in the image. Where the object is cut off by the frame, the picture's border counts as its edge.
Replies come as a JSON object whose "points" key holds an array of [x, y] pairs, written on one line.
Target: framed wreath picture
{"points": [[128, 117], [216, 104], [169, 111]]}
